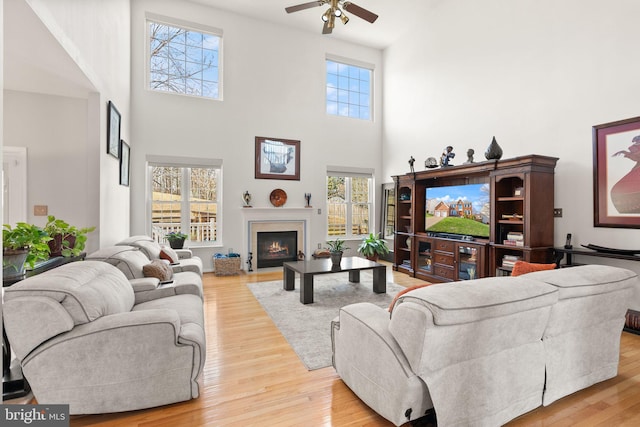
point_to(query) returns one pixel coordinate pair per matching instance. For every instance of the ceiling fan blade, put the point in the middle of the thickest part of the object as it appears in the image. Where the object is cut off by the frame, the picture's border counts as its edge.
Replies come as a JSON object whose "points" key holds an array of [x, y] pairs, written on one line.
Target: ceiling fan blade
{"points": [[360, 12], [326, 29], [304, 6]]}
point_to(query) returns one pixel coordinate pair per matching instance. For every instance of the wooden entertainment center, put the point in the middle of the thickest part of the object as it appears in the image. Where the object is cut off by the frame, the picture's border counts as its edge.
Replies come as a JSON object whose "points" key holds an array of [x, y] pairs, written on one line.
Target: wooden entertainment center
{"points": [[520, 220]]}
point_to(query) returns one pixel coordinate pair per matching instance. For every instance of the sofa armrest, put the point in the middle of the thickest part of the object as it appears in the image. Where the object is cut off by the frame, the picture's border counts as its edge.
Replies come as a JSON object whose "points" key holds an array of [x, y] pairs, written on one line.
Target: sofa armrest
{"points": [[372, 364], [365, 327], [117, 363], [114, 326], [144, 284], [184, 253]]}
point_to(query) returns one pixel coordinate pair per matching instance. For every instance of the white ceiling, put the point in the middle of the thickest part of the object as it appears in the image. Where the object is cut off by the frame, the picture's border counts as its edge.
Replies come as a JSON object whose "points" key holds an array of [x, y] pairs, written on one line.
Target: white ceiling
{"points": [[394, 17]]}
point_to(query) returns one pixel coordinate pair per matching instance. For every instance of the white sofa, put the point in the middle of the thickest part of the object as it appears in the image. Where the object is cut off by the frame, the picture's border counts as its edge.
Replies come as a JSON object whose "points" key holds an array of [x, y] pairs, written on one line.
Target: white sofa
{"points": [[151, 248], [131, 261], [82, 340], [483, 352]]}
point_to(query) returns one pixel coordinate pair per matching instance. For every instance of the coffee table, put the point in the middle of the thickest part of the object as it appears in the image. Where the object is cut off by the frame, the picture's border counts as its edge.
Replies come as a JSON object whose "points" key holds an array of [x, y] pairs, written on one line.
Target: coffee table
{"points": [[308, 269]]}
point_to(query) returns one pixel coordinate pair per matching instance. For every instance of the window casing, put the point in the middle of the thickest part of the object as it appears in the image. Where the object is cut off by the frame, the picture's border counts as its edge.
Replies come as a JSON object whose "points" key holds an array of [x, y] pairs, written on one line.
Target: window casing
{"points": [[184, 60], [186, 198], [349, 90], [349, 205]]}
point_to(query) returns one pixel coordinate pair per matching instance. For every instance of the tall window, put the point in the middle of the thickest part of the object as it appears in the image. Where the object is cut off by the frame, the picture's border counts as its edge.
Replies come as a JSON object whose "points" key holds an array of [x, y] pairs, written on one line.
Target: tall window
{"points": [[349, 212], [348, 90], [185, 199], [183, 60]]}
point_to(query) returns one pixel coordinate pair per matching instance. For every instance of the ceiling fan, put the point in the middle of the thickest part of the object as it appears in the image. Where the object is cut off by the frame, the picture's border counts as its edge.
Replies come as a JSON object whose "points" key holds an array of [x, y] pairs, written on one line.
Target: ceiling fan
{"points": [[335, 10]]}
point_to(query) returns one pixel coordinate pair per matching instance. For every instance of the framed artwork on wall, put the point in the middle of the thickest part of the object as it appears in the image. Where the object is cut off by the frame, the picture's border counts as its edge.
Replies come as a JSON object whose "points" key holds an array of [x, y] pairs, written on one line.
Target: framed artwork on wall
{"points": [[277, 158], [616, 174], [125, 163], [113, 131]]}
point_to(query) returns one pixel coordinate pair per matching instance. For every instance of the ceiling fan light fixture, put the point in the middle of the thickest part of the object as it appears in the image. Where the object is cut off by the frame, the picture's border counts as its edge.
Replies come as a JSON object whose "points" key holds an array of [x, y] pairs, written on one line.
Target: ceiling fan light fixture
{"points": [[327, 14], [344, 18], [337, 13]]}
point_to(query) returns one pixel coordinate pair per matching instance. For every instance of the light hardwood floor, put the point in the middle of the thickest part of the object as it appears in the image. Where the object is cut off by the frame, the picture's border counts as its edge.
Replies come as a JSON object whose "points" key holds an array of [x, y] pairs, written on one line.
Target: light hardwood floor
{"points": [[253, 378]]}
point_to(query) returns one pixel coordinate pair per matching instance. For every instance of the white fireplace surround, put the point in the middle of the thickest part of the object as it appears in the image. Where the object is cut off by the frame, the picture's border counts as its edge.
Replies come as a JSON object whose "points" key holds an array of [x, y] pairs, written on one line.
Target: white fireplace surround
{"points": [[257, 220]]}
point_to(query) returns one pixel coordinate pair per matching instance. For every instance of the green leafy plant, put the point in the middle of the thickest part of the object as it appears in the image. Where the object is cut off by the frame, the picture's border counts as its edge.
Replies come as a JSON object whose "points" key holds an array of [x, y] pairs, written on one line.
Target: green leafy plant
{"points": [[26, 237], [336, 245], [174, 236], [373, 245], [73, 239]]}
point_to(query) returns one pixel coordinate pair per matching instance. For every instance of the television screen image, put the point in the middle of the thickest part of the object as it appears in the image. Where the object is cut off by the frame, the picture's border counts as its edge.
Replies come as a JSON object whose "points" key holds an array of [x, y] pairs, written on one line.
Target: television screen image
{"points": [[458, 209]]}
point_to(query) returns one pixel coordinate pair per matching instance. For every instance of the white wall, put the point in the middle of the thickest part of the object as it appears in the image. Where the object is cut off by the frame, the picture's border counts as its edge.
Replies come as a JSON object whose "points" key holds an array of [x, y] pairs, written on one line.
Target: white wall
{"points": [[96, 34], [54, 131], [274, 87], [536, 74]]}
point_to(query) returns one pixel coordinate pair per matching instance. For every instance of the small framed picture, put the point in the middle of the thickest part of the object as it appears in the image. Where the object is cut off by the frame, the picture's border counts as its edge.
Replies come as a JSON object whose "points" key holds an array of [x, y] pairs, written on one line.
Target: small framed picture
{"points": [[113, 131], [125, 163], [518, 192]]}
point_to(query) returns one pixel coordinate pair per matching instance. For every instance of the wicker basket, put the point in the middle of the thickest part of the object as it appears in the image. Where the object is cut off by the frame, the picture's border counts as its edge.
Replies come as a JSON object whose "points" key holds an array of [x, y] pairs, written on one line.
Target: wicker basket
{"points": [[226, 266]]}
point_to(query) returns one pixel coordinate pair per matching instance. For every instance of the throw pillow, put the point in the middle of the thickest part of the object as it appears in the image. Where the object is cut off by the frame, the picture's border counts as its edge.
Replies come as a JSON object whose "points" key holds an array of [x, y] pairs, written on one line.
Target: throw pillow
{"points": [[404, 291], [523, 267], [169, 254], [158, 268]]}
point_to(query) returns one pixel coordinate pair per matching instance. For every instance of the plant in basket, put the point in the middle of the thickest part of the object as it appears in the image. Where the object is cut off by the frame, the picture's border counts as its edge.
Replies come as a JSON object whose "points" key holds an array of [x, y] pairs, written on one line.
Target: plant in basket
{"points": [[336, 248], [373, 246], [22, 245], [176, 239], [66, 240]]}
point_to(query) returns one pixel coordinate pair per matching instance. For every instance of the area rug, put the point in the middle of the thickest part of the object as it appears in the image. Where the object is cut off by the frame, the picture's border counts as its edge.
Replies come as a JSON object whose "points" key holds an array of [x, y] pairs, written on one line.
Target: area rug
{"points": [[307, 327]]}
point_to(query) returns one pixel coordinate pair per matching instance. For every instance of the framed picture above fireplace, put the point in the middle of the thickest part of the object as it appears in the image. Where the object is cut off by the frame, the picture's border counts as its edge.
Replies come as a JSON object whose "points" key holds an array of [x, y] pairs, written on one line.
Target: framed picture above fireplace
{"points": [[277, 158]]}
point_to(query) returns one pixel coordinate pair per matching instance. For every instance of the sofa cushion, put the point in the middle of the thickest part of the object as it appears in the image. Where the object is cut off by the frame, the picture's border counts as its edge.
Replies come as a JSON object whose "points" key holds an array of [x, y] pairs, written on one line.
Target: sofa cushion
{"points": [[128, 259], [129, 241], [524, 267], [150, 249], [586, 279], [473, 300], [87, 290], [158, 268]]}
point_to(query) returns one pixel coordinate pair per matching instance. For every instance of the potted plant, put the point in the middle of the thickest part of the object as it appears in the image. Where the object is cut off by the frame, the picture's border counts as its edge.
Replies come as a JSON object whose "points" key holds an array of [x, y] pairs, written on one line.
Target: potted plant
{"points": [[373, 246], [66, 240], [336, 248], [176, 239], [22, 245]]}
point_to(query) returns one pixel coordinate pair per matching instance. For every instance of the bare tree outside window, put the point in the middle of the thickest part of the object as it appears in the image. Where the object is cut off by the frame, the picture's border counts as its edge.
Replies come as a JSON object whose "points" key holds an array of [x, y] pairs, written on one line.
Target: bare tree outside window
{"points": [[348, 206], [184, 61]]}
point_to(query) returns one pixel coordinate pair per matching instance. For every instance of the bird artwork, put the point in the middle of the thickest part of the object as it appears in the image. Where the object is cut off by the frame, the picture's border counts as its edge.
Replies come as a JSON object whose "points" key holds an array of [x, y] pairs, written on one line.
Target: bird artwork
{"points": [[278, 155], [625, 194]]}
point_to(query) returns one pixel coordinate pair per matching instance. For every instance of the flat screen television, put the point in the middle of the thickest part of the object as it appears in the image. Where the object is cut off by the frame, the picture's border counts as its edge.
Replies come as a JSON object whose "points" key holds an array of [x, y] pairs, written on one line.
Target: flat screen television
{"points": [[458, 210]]}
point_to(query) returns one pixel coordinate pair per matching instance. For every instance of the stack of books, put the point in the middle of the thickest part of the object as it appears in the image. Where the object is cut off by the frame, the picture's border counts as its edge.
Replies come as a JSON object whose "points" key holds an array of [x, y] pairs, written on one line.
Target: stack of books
{"points": [[508, 261], [514, 238]]}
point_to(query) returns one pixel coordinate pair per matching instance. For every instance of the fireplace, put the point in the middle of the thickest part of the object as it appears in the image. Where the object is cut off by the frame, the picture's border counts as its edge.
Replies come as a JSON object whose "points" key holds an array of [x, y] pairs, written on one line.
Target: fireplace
{"points": [[262, 220], [276, 247]]}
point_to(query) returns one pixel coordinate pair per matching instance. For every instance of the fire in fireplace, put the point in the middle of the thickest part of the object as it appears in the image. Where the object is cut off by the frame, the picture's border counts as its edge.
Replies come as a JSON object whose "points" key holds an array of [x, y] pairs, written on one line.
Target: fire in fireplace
{"points": [[276, 247]]}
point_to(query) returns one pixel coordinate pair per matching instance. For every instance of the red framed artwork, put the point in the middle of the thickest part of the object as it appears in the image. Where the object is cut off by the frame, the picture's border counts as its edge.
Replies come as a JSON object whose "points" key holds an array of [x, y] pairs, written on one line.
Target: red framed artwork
{"points": [[616, 174]]}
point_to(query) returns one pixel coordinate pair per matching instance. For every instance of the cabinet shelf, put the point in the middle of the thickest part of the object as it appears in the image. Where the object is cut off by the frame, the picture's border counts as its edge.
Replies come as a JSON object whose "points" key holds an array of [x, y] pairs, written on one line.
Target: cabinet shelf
{"points": [[511, 221], [509, 199]]}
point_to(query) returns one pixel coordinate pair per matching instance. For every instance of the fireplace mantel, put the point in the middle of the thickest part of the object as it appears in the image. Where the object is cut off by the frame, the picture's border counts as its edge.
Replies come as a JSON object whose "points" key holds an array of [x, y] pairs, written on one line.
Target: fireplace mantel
{"points": [[276, 218]]}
